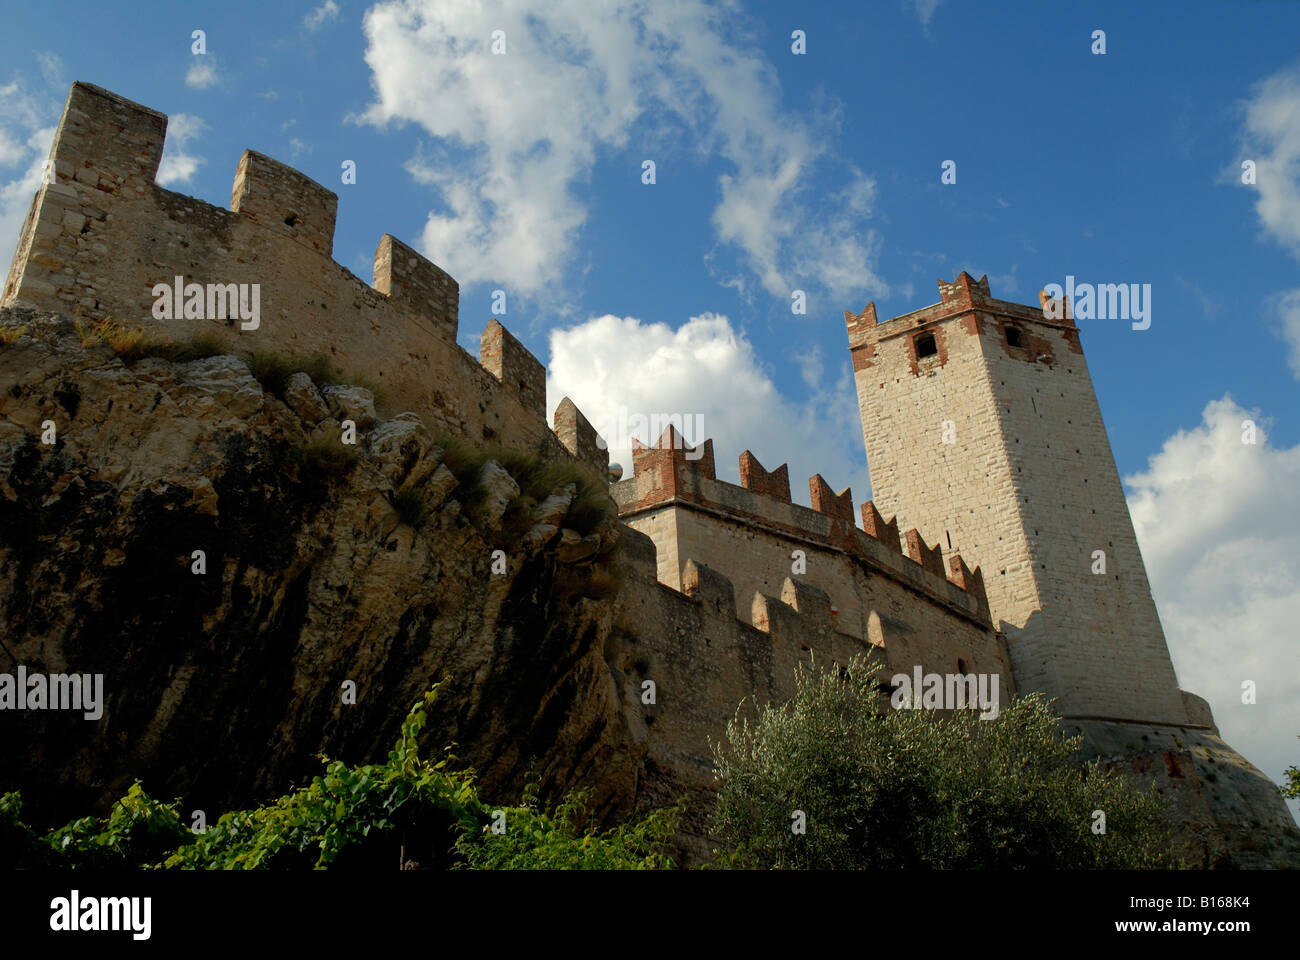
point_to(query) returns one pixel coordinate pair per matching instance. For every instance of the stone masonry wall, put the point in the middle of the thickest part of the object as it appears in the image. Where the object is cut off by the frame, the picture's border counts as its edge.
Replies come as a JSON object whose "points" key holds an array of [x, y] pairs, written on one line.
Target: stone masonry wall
{"points": [[101, 233], [1028, 488], [876, 597], [704, 661]]}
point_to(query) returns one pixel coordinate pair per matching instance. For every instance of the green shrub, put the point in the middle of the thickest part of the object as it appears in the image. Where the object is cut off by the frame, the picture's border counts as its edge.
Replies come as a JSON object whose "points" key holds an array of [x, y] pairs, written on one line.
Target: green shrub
{"points": [[20, 847], [1291, 790], [914, 790], [534, 840], [406, 811], [349, 809], [139, 832]]}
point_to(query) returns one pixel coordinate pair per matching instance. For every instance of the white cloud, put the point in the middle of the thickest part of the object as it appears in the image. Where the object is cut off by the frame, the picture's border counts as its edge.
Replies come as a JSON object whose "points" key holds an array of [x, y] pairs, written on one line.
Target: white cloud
{"points": [[202, 73], [614, 368], [329, 10], [16, 194], [1216, 521], [51, 68], [526, 129], [27, 125], [1272, 140], [925, 10], [177, 165]]}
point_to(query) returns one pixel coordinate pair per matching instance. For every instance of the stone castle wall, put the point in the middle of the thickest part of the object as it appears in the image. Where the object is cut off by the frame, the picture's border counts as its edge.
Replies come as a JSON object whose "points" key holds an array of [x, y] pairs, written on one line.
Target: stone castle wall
{"points": [[704, 660], [876, 596], [101, 233], [1028, 488]]}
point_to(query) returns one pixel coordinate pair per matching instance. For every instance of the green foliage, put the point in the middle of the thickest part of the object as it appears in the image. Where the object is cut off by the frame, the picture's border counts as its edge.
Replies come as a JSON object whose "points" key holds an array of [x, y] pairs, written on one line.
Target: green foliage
{"points": [[407, 811], [20, 847], [538, 479], [349, 807], [535, 840], [910, 789], [1292, 788], [138, 832]]}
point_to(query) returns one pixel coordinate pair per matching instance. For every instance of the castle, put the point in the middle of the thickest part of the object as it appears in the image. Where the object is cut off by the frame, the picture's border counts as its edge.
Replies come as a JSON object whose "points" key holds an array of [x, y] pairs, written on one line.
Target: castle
{"points": [[1008, 549]]}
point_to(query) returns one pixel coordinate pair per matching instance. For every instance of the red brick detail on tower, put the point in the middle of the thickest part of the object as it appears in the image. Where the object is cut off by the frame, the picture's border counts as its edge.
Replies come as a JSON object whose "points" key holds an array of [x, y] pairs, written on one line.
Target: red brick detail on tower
{"points": [[753, 477]]}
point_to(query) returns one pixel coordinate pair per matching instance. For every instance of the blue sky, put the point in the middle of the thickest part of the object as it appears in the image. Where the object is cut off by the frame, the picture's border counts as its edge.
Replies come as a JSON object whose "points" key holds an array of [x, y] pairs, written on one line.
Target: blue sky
{"points": [[820, 172]]}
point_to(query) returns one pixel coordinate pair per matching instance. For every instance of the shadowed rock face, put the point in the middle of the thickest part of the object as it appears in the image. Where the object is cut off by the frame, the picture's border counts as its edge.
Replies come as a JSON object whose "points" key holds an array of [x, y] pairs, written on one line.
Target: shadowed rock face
{"points": [[223, 687], [1229, 813]]}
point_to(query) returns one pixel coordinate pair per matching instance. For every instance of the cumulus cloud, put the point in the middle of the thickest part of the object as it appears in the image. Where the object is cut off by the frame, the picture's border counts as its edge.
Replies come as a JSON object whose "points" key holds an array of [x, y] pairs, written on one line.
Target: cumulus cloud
{"points": [[329, 10], [202, 73], [1215, 518], [518, 134], [1272, 140], [178, 166], [16, 194], [27, 124], [706, 372]]}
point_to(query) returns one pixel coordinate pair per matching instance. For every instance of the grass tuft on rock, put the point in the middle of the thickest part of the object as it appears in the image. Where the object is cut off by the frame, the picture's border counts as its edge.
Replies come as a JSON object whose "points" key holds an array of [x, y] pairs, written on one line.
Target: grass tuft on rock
{"points": [[133, 344]]}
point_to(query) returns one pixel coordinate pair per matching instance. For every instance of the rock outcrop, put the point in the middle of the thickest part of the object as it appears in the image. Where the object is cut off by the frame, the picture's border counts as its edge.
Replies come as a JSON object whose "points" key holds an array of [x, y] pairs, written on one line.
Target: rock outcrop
{"points": [[231, 568]]}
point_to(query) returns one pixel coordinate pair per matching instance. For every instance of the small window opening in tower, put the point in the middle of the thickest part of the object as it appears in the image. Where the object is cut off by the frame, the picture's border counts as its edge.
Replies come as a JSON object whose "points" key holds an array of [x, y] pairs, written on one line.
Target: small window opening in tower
{"points": [[291, 220], [948, 534], [961, 665], [1013, 337], [925, 346]]}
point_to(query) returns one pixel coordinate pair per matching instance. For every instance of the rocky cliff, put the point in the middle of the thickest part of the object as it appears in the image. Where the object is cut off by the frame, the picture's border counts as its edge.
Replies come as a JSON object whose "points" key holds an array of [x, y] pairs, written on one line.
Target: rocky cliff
{"points": [[226, 673]]}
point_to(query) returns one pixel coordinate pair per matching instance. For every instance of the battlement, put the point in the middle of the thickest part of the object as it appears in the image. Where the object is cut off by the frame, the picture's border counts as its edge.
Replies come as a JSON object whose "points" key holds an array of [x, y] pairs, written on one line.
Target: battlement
{"points": [[722, 650], [286, 201], [101, 235], [580, 438], [962, 297], [406, 277], [753, 477], [672, 473]]}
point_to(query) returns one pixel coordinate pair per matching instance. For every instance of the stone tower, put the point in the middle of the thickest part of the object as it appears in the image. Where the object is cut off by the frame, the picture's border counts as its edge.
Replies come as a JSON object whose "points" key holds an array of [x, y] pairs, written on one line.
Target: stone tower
{"points": [[983, 432]]}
